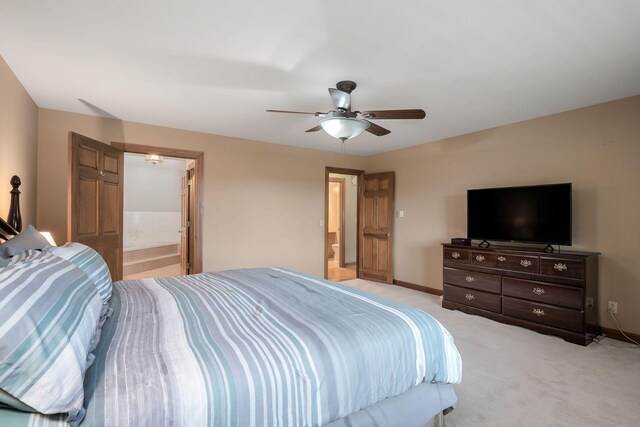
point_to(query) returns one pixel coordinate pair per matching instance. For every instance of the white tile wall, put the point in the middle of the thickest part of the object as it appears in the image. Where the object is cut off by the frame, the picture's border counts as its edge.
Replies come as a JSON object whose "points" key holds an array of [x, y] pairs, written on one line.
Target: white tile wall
{"points": [[144, 229]]}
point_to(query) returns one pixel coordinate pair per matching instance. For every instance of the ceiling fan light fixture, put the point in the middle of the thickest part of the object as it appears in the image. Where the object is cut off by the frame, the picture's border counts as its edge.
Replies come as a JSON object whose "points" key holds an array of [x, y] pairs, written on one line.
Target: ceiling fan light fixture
{"points": [[344, 128]]}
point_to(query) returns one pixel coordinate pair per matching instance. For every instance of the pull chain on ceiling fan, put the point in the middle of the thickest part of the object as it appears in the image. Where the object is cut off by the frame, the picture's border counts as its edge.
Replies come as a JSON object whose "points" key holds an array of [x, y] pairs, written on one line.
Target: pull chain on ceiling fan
{"points": [[343, 124]]}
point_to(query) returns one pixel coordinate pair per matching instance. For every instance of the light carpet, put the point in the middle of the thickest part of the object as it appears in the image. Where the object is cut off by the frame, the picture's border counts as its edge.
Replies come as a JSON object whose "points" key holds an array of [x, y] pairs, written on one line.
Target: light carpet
{"points": [[516, 377]]}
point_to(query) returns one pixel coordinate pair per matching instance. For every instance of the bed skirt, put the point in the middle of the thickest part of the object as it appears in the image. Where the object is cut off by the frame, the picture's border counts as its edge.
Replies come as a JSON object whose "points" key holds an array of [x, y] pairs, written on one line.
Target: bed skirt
{"points": [[420, 406]]}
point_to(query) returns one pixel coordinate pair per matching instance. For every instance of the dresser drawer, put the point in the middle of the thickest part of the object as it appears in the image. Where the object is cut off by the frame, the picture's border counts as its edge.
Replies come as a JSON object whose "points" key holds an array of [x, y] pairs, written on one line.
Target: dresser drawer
{"points": [[565, 296], [472, 298], [456, 255], [528, 264], [473, 280], [570, 268], [559, 317]]}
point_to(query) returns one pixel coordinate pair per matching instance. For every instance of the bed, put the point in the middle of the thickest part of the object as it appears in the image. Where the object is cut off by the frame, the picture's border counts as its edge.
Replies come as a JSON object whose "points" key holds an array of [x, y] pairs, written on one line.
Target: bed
{"points": [[262, 346]]}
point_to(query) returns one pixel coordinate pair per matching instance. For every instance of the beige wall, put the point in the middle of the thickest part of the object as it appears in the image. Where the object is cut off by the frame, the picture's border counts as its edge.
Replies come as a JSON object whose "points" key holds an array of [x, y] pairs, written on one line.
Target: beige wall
{"points": [[263, 202], [595, 148], [18, 144], [333, 221]]}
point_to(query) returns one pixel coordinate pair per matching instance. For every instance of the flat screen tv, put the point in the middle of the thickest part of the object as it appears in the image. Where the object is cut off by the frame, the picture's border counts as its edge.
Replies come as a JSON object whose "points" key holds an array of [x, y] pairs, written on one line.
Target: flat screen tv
{"points": [[532, 214]]}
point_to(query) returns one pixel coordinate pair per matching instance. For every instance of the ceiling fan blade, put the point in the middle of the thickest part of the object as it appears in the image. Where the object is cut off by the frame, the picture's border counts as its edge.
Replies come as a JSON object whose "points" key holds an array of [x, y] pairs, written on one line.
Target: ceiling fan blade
{"points": [[377, 130], [290, 112], [395, 114], [314, 129], [342, 100], [317, 113]]}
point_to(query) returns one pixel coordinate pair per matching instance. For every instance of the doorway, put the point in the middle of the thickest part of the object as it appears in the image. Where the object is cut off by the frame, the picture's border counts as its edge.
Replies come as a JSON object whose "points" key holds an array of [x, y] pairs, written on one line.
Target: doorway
{"points": [[341, 219], [153, 212], [374, 207], [163, 213]]}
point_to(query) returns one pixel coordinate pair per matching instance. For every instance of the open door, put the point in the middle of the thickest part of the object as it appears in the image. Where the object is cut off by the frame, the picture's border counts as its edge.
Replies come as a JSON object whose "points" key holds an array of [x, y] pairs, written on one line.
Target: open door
{"points": [[189, 210], [376, 227], [184, 223], [187, 221], [95, 197]]}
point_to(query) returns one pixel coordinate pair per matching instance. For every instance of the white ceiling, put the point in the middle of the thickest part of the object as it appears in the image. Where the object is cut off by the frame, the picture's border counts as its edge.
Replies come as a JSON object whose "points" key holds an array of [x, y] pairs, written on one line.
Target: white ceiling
{"points": [[168, 163], [215, 66]]}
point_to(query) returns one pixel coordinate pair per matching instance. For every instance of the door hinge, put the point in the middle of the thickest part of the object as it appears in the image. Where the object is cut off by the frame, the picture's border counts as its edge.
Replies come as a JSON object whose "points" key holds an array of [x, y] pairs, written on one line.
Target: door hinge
{"points": [[188, 223], [188, 267], [190, 182]]}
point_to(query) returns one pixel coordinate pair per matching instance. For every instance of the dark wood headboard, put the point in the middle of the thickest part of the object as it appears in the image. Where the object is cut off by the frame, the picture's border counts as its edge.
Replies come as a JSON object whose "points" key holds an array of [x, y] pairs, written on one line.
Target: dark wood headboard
{"points": [[13, 224]]}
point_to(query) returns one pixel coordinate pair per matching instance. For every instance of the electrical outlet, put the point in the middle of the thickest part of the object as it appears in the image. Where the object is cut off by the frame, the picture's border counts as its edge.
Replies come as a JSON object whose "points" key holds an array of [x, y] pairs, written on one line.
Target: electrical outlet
{"points": [[589, 302], [613, 307]]}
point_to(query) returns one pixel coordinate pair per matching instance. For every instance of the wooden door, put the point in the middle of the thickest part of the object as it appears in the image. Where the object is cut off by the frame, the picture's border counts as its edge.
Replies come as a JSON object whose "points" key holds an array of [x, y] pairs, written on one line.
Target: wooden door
{"points": [[184, 221], [376, 227], [191, 218], [95, 192]]}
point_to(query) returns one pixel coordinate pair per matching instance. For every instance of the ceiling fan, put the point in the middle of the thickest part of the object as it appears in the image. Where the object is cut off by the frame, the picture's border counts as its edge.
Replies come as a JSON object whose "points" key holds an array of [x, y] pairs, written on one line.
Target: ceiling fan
{"points": [[343, 124]]}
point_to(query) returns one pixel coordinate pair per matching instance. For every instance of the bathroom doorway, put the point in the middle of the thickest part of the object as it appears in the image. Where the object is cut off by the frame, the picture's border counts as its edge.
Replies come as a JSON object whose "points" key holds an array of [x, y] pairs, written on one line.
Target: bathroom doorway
{"points": [[341, 219], [171, 225], [153, 191]]}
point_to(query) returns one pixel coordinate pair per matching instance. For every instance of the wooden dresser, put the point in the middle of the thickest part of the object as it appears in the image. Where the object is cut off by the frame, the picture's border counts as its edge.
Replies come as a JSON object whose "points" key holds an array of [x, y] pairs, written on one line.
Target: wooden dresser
{"points": [[552, 293]]}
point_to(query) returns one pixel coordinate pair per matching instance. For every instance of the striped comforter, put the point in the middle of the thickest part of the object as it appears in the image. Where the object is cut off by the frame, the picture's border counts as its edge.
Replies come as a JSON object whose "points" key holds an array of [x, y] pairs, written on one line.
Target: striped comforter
{"points": [[254, 347]]}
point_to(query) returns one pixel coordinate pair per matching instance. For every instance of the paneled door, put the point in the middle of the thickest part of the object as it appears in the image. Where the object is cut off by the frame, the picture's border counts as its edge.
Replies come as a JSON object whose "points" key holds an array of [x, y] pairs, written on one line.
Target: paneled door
{"points": [[187, 221], [184, 223], [376, 227], [95, 194]]}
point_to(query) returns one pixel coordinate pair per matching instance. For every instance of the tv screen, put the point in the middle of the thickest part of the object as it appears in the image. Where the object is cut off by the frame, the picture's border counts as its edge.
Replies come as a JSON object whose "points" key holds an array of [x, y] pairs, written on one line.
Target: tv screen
{"points": [[534, 214]]}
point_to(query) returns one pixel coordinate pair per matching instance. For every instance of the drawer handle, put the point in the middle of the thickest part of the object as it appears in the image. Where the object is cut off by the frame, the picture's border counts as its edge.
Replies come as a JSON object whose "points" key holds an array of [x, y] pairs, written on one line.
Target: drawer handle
{"points": [[470, 279], [538, 291], [560, 266], [479, 258], [538, 312], [455, 255], [469, 297], [525, 263], [501, 259]]}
